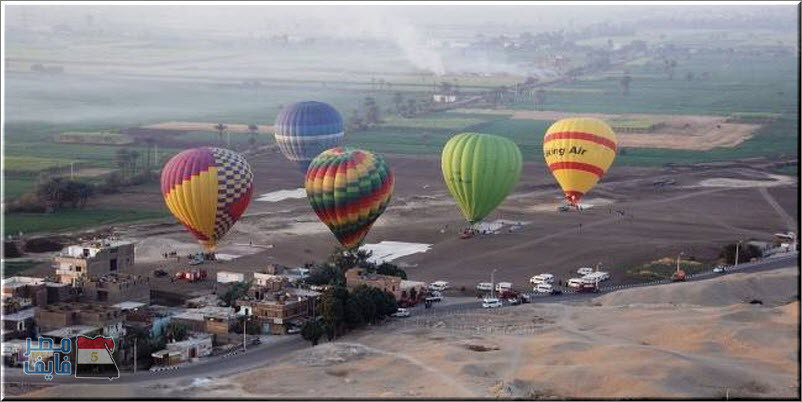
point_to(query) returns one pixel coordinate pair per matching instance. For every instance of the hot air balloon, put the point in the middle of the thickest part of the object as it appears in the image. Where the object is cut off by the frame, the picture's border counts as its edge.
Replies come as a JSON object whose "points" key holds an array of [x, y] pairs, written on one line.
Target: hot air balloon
{"points": [[579, 151], [207, 190], [480, 170], [348, 190], [305, 129]]}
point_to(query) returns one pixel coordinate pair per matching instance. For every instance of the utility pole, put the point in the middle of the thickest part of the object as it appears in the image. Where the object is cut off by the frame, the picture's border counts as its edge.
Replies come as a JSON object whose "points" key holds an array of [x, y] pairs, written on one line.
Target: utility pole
{"points": [[244, 331], [135, 342], [737, 251], [681, 253], [493, 284]]}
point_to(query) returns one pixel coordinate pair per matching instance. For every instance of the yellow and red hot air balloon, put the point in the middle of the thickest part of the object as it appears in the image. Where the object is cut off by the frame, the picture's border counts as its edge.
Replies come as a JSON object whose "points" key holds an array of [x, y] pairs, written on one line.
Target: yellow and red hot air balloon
{"points": [[348, 190], [579, 151], [207, 190]]}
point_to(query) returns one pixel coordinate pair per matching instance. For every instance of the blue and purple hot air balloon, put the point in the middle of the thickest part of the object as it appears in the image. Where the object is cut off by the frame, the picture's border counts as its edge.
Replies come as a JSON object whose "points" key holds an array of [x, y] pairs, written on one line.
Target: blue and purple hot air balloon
{"points": [[305, 129]]}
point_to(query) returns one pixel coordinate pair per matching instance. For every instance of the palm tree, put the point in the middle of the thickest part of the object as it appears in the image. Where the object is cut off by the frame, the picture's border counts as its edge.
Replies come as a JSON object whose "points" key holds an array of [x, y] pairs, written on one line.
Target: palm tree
{"points": [[398, 99], [625, 80], [220, 127], [122, 158], [133, 159], [253, 128]]}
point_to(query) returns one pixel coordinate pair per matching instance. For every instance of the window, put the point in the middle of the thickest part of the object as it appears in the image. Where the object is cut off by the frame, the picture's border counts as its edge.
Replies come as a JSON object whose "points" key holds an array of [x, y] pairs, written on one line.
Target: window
{"points": [[113, 264], [77, 269]]}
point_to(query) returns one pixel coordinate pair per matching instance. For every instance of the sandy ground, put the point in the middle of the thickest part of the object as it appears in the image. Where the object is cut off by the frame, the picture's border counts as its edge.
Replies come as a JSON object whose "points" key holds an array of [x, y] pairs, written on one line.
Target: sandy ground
{"points": [[700, 133], [688, 340], [202, 126]]}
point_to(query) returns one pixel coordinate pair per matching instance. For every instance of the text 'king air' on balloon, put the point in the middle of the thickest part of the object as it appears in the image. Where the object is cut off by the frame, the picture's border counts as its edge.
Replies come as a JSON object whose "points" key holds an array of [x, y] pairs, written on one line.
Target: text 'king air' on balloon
{"points": [[480, 170], [305, 129], [348, 190], [207, 190], [578, 152]]}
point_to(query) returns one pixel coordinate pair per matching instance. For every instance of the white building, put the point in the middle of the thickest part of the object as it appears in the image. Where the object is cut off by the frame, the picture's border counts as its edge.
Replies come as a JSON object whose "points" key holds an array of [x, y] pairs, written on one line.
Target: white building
{"points": [[228, 277], [197, 345]]}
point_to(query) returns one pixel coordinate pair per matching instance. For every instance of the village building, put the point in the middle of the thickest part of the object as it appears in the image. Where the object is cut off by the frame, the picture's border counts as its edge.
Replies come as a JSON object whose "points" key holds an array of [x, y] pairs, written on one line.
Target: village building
{"points": [[95, 258], [197, 345], [218, 321], [115, 288], [275, 312], [56, 316], [357, 276]]}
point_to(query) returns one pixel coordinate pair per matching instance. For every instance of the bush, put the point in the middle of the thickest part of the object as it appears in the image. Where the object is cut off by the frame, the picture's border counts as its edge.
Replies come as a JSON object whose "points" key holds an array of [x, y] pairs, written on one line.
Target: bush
{"points": [[42, 245], [10, 250], [745, 253], [312, 331], [28, 202]]}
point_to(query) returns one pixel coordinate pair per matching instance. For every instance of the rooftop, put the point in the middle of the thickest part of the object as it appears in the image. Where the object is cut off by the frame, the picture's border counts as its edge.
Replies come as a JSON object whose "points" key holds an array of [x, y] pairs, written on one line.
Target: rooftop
{"points": [[198, 314], [19, 281], [129, 305], [21, 315], [71, 331]]}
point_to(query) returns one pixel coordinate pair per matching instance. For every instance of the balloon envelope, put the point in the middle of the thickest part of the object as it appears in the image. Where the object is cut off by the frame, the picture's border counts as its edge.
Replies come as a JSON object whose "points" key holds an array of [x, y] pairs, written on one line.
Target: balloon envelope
{"points": [[207, 190], [348, 190], [305, 129], [480, 170], [579, 151]]}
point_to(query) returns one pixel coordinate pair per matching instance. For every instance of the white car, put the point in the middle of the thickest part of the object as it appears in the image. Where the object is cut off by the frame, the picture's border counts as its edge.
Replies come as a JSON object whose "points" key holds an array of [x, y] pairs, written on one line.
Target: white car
{"points": [[491, 303], [542, 278], [485, 286], [720, 269], [597, 276], [502, 286], [575, 282], [439, 285], [543, 288], [584, 271], [401, 313]]}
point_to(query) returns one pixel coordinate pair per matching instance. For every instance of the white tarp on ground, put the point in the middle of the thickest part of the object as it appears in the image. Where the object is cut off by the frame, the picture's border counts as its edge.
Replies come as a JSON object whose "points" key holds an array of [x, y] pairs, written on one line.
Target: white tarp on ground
{"points": [[387, 251], [490, 227], [226, 257], [280, 195]]}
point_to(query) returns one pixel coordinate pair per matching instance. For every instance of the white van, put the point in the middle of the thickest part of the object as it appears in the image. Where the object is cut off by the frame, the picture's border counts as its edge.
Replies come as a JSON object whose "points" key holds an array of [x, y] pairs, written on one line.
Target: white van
{"points": [[502, 286], [491, 303], [584, 271], [575, 282], [542, 278], [597, 276], [484, 286], [543, 288]]}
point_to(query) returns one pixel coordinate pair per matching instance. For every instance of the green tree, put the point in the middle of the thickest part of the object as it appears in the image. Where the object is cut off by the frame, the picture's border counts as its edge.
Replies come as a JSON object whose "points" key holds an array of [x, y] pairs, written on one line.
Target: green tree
{"points": [[176, 332], [332, 310], [345, 259], [235, 292], [745, 253], [312, 331], [386, 268], [371, 111], [325, 274]]}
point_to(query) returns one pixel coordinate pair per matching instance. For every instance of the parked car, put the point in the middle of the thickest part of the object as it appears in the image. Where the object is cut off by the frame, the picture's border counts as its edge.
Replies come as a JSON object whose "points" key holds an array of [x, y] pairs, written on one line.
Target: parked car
{"points": [[491, 303], [484, 286], [401, 313], [434, 299], [543, 288], [293, 330], [584, 271], [195, 261], [439, 286], [720, 269], [575, 282], [542, 278], [513, 301], [502, 286], [524, 298], [598, 276], [160, 273], [258, 341]]}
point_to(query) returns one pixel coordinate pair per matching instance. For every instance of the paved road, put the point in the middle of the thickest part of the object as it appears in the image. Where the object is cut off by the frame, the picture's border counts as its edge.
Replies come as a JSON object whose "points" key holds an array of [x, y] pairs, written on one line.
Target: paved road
{"points": [[262, 355]]}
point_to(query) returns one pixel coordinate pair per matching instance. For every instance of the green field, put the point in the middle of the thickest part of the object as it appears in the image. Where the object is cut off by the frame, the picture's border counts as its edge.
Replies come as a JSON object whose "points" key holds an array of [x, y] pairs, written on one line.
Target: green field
{"points": [[32, 164], [12, 268], [94, 137], [75, 219], [16, 187], [749, 84]]}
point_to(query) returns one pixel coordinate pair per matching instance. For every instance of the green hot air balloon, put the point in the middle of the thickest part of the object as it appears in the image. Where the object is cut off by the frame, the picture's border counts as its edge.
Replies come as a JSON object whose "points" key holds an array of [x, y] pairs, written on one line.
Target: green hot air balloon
{"points": [[480, 170]]}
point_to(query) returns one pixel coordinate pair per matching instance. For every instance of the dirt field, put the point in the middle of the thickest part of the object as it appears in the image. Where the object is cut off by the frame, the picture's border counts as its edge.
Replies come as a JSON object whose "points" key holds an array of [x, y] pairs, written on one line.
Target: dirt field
{"points": [[698, 133], [202, 126], [689, 340]]}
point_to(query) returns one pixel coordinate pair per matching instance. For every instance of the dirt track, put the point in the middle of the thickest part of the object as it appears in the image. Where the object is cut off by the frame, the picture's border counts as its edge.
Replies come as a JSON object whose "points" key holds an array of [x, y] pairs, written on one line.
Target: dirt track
{"points": [[698, 133]]}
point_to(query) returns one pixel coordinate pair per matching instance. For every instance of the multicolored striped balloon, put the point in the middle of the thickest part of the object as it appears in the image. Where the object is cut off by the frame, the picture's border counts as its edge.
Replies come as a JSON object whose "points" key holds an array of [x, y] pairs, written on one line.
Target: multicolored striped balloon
{"points": [[305, 129], [207, 190], [348, 190], [579, 151]]}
